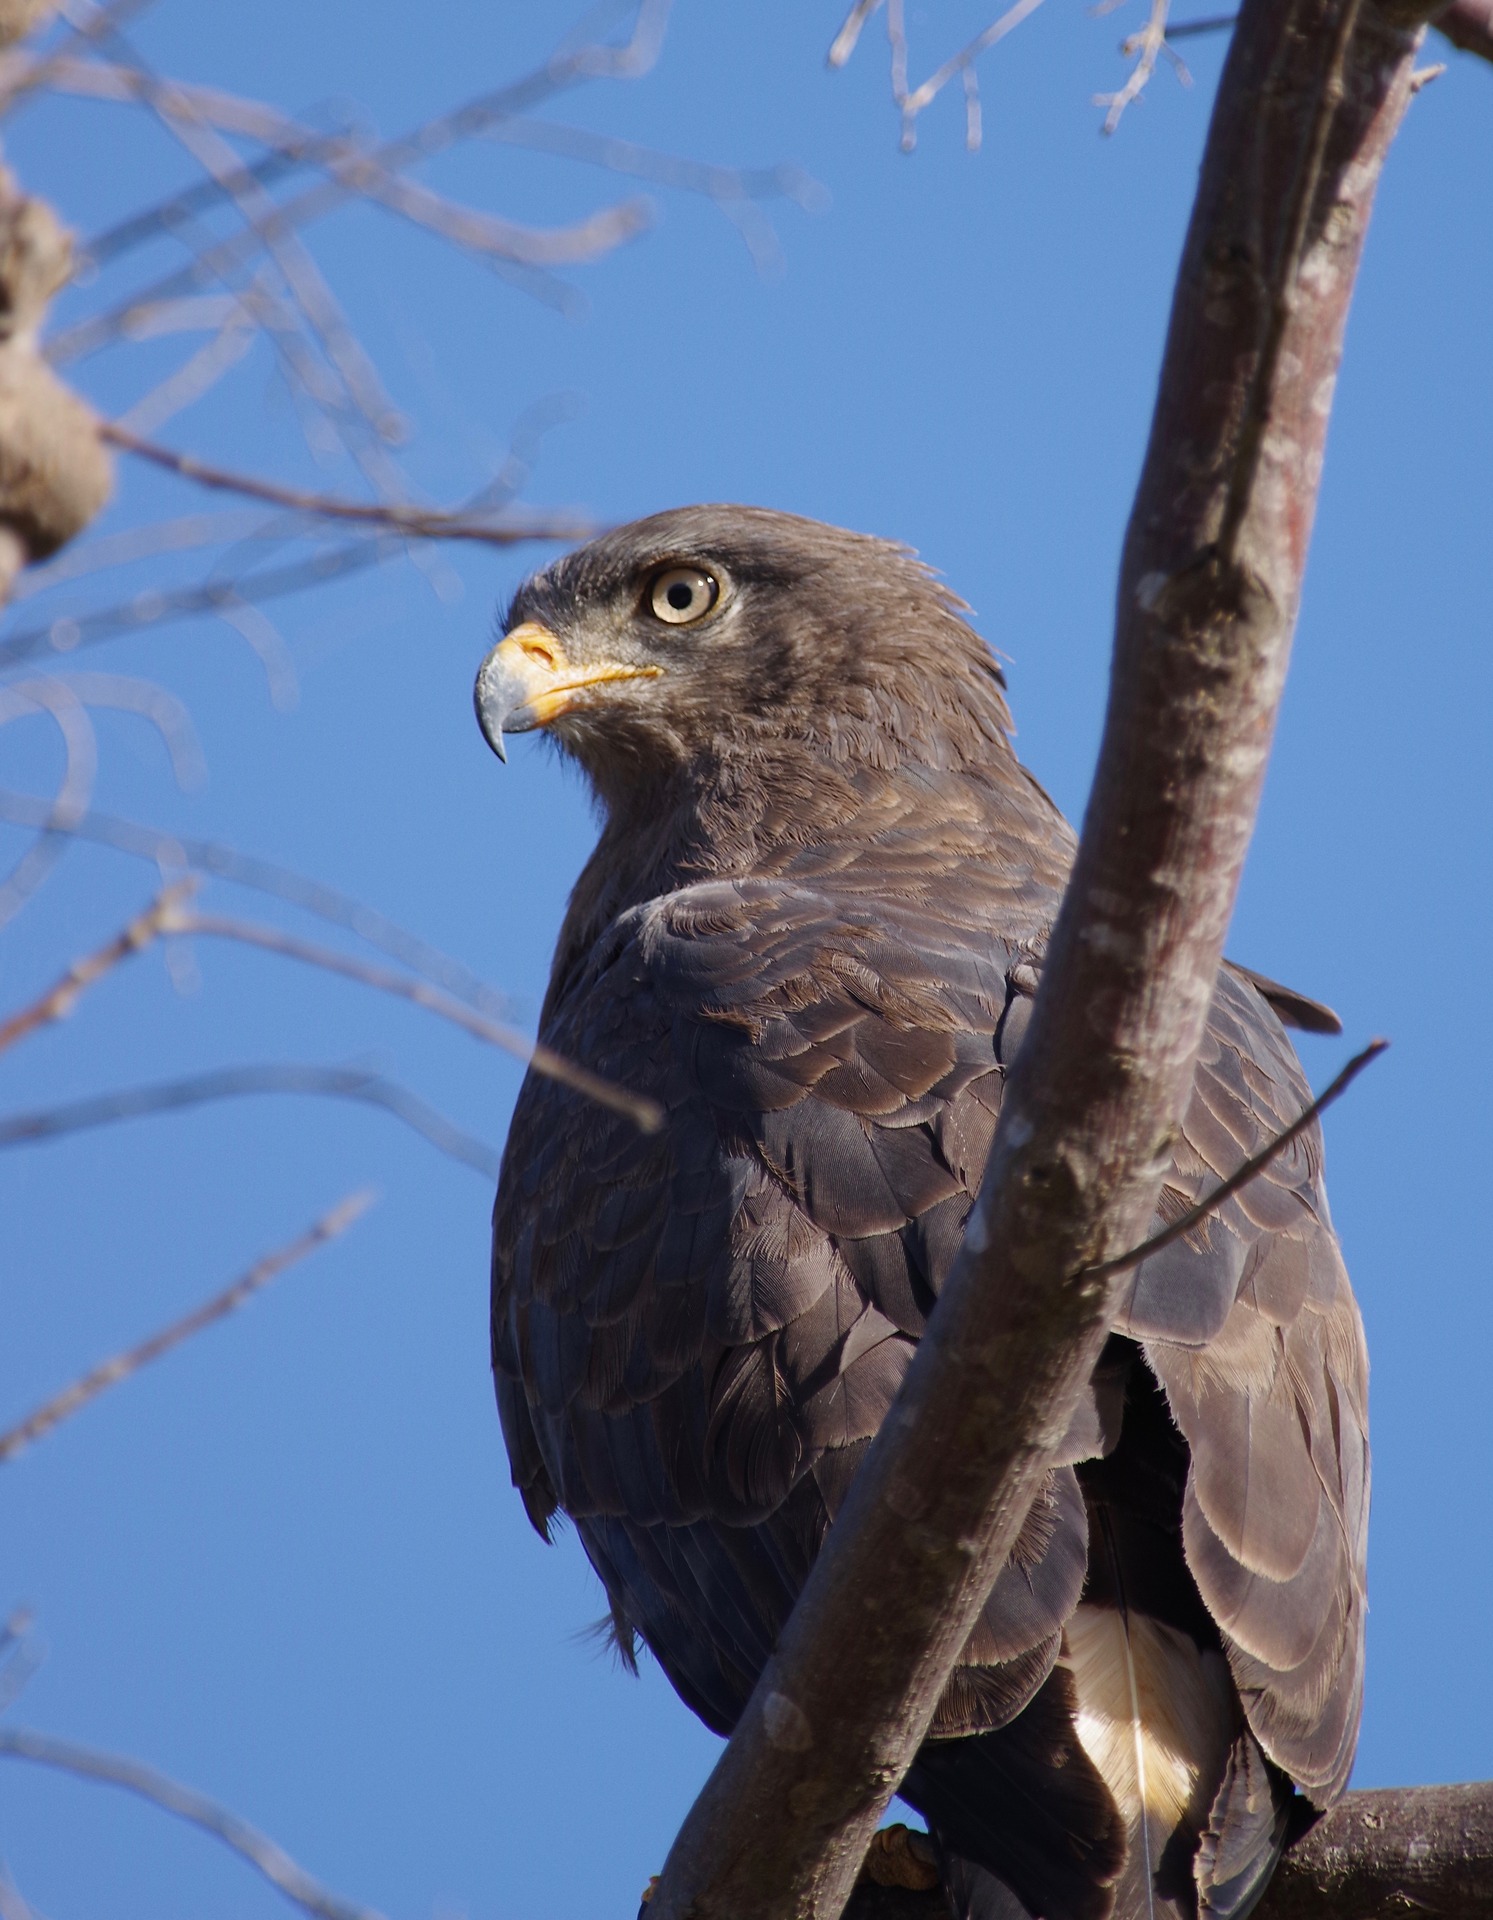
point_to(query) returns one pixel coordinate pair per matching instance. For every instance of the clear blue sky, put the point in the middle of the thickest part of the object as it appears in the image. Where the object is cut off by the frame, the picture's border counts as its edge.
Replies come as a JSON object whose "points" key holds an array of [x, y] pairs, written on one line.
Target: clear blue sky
{"points": [[286, 1565]]}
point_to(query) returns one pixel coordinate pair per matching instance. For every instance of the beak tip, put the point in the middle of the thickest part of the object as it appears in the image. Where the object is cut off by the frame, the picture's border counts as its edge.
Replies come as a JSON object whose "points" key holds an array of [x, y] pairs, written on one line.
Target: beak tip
{"points": [[493, 708]]}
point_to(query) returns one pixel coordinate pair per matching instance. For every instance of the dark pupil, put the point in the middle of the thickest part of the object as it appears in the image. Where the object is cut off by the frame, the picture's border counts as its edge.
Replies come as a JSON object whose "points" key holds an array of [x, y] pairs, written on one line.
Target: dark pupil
{"points": [[680, 595]]}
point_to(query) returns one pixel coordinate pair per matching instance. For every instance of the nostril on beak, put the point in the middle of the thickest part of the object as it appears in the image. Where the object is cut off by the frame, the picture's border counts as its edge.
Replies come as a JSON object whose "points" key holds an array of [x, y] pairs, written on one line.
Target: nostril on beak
{"points": [[541, 655]]}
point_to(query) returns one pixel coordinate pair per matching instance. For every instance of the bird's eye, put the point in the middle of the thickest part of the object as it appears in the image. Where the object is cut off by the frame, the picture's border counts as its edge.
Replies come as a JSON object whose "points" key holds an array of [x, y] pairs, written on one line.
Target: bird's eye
{"points": [[681, 594]]}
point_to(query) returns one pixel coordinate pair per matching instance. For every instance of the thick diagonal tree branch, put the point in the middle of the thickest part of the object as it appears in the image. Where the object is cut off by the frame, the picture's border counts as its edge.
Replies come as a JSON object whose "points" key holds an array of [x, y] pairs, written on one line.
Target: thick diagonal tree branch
{"points": [[1309, 102]]}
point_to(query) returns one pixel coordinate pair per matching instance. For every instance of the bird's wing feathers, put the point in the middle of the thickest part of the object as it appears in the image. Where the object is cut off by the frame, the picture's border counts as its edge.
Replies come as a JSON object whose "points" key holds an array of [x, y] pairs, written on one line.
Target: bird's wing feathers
{"points": [[1252, 1329], [709, 1323], [696, 1332]]}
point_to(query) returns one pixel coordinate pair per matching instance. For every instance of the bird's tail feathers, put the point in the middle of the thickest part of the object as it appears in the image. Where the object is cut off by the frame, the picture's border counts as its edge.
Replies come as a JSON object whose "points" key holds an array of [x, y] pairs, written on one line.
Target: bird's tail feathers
{"points": [[1023, 1822], [1248, 1826], [1156, 1715]]}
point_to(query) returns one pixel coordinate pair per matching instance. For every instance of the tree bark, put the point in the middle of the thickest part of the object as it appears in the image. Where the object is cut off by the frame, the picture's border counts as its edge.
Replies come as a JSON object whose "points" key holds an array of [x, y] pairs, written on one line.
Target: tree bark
{"points": [[1376, 1856], [1311, 96], [1384, 1854]]}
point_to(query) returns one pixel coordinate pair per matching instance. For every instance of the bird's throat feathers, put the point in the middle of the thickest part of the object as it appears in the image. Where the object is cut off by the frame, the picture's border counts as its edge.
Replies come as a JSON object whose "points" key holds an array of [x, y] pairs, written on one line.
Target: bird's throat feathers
{"points": [[805, 809]]}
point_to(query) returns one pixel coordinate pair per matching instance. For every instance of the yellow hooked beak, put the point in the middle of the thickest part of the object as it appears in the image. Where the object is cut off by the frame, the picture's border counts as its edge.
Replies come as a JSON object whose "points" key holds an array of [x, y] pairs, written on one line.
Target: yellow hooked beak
{"points": [[527, 681]]}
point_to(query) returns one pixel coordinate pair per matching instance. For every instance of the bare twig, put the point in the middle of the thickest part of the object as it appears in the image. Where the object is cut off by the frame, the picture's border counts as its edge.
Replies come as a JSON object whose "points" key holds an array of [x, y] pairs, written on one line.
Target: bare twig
{"points": [[1304, 116], [13, 1903], [13, 1632], [347, 160], [147, 700], [80, 745], [58, 1001], [645, 1114], [20, 1656], [963, 62], [589, 61], [155, 608], [181, 535], [234, 1083], [261, 1853], [417, 522], [1251, 1169], [189, 383], [1145, 48], [1188, 29], [173, 852], [20, 74], [354, 372], [97, 1380], [168, 916], [844, 42]]}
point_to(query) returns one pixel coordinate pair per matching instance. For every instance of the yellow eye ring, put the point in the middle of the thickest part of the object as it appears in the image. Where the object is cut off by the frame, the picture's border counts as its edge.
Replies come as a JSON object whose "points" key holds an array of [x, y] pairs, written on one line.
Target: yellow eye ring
{"points": [[680, 595]]}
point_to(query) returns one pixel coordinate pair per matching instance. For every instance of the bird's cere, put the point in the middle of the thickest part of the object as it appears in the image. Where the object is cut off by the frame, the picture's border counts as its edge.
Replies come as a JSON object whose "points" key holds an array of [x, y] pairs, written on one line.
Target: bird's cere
{"points": [[527, 681]]}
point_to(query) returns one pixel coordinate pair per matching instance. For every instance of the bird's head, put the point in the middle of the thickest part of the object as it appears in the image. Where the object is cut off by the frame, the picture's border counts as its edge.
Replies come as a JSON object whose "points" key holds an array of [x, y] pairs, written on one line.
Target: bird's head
{"points": [[710, 631]]}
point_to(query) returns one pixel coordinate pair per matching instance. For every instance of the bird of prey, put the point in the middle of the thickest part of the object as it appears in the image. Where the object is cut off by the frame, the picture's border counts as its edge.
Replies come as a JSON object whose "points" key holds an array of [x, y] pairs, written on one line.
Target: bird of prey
{"points": [[811, 931]]}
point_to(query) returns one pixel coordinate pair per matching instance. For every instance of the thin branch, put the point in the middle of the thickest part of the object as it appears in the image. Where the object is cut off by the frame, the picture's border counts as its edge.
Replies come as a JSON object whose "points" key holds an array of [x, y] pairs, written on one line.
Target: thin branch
{"points": [[346, 159], [21, 75], [910, 102], [168, 916], [417, 522], [1213, 23], [1254, 1166], [844, 42], [590, 61], [261, 1853], [20, 1656], [1146, 48], [59, 1000], [264, 639], [785, 180], [97, 1380], [80, 745], [196, 377], [647, 1115], [962, 62], [312, 298], [180, 535], [13, 1632], [234, 1083], [229, 599], [148, 701], [13, 1903], [154, 608], [1203, 632], [174, 852]]}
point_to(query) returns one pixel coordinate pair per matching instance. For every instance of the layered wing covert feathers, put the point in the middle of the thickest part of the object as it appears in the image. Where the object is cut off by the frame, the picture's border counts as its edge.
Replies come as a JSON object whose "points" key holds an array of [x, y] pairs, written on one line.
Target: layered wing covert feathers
{"points": [[696, 1332]]}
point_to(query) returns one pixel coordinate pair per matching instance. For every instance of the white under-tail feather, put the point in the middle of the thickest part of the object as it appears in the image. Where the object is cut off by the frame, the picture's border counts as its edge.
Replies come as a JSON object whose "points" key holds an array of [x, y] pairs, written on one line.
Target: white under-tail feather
{"points": [[1155, 1715]]}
